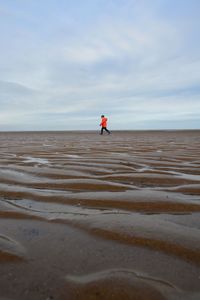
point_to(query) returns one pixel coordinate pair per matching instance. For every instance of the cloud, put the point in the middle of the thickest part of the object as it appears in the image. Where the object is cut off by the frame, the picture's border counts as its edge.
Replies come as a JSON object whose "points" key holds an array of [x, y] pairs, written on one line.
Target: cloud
{"points": [[135, 61]]}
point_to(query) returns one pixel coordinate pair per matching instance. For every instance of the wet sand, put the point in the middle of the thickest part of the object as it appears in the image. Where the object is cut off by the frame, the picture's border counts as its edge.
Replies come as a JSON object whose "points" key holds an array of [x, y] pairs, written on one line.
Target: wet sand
{"points": [[84, 216]]}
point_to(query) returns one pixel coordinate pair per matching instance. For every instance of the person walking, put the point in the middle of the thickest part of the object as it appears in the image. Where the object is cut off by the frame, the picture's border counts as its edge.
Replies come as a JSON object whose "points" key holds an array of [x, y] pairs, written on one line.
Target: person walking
{"points": [[103, 124]]}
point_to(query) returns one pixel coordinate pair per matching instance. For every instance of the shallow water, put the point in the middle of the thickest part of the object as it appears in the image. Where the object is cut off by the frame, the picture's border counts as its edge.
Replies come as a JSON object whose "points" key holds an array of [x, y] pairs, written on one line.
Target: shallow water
{"points": [[85, 216]]}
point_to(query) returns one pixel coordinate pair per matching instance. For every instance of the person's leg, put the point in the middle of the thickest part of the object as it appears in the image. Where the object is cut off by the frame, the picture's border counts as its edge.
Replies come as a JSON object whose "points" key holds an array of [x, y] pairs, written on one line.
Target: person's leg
{"points": [[101, 130], [107, 130]]}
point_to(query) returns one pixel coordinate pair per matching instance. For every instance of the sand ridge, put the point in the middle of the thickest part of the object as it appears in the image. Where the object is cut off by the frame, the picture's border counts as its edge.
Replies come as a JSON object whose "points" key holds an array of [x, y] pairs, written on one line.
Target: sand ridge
{"points": [[100, 217]]}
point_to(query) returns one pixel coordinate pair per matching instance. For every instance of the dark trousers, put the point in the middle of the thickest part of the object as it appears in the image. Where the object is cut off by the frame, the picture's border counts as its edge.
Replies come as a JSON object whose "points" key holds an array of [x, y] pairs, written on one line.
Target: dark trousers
{"points": [[104, 128]]}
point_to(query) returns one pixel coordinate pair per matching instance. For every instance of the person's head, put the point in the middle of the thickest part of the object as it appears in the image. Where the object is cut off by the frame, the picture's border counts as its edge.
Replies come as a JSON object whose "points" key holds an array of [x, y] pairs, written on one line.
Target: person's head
{"points": [[102, 116]]}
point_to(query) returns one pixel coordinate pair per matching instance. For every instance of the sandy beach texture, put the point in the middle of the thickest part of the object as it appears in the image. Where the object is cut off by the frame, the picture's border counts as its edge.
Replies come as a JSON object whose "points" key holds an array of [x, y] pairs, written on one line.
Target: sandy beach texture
{"points": [[84, 216]]}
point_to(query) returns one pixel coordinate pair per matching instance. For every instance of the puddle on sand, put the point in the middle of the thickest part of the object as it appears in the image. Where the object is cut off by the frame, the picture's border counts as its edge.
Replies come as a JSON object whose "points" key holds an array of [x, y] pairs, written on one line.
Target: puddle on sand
{"points": [[30, 159]]}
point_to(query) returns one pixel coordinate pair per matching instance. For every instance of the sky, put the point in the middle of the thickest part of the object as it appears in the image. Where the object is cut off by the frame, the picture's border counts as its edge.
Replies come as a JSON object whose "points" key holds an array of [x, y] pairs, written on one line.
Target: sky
{"points": [[64, 63]]}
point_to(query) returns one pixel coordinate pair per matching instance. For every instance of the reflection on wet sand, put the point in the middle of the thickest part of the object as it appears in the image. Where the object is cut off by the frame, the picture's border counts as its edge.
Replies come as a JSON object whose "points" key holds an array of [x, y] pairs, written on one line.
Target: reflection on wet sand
{"points": [[85, 216]]}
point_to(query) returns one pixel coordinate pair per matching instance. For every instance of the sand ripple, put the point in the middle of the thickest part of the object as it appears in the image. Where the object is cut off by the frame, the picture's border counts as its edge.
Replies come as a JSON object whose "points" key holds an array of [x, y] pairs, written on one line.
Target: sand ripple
{"points": [[10, 250], [139, 191]]}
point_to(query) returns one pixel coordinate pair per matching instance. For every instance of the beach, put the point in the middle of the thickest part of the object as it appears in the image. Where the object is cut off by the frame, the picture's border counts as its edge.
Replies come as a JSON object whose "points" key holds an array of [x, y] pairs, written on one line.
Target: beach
{"points": [[85, 216]]}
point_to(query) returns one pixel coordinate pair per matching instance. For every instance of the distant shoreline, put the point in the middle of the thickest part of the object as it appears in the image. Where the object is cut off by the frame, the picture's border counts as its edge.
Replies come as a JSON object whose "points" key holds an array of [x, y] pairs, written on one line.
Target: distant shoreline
{"points": [[94, 131]]}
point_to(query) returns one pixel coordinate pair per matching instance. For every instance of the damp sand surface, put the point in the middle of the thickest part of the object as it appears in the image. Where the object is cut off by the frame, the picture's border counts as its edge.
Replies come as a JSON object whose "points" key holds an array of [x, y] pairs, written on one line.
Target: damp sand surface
{"points": [[84, 216]]}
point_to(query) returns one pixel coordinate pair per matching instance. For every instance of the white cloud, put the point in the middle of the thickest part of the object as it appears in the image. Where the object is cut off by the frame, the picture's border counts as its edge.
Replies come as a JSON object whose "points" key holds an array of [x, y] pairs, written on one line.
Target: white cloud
{"points": [[131, 61]]}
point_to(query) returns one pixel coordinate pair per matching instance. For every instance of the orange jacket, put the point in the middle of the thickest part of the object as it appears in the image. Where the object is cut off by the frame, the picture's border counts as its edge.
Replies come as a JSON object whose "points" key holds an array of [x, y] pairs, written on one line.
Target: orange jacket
{"points": [[104, 122]]}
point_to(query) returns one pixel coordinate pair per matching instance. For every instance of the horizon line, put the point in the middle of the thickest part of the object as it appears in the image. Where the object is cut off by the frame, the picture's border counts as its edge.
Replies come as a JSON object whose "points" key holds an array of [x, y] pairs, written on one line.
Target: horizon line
{"points": [[93, 130]]}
